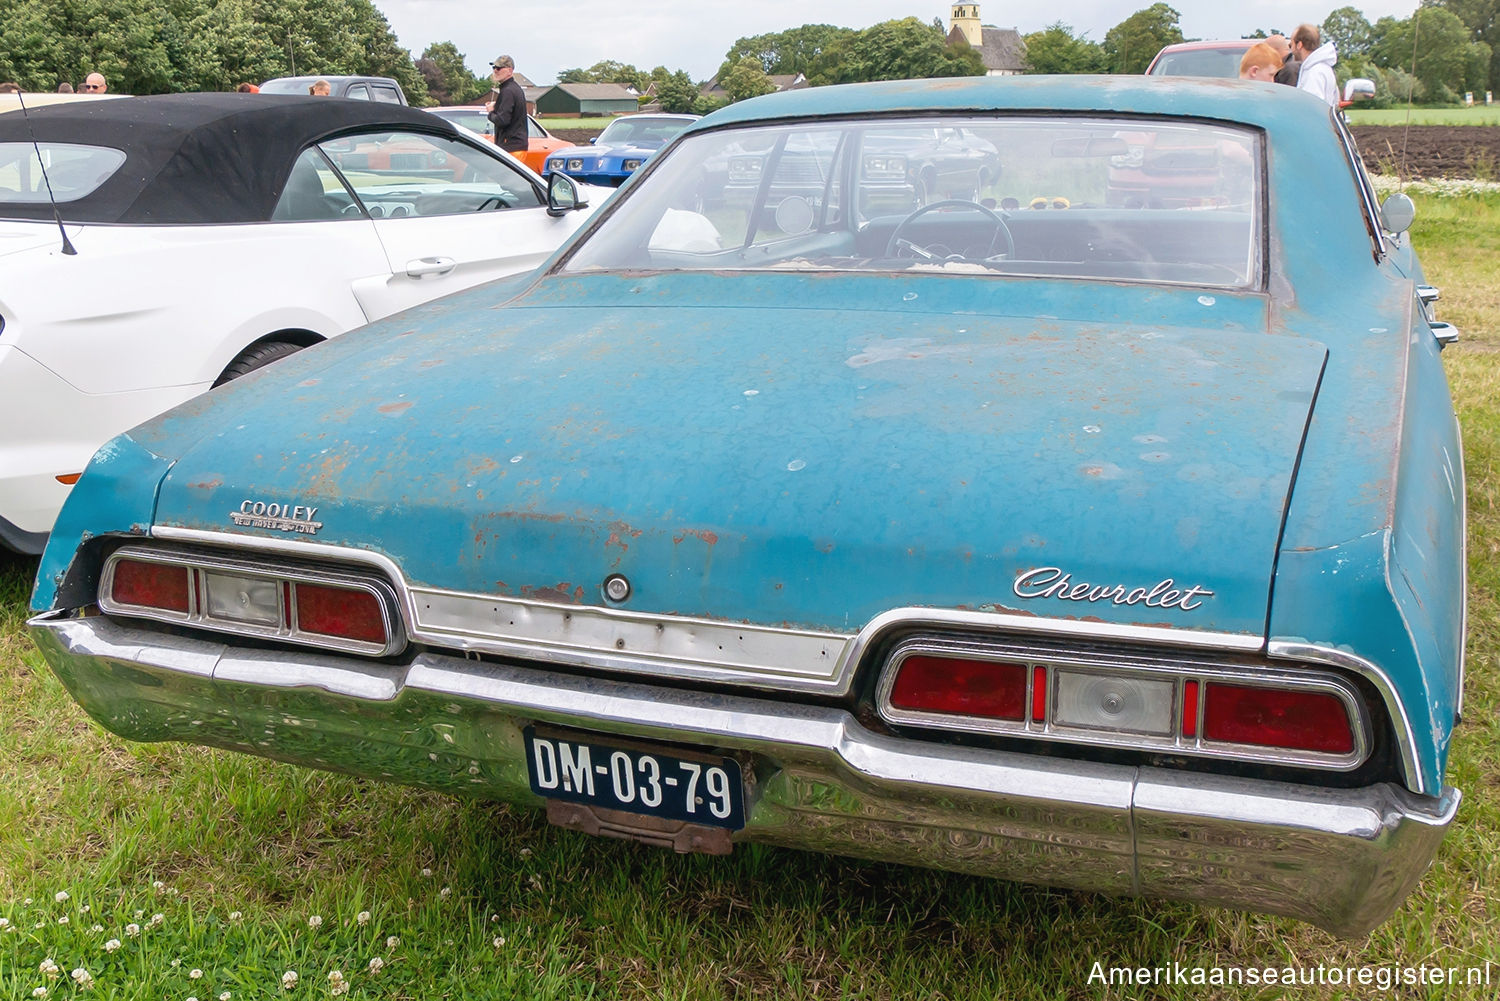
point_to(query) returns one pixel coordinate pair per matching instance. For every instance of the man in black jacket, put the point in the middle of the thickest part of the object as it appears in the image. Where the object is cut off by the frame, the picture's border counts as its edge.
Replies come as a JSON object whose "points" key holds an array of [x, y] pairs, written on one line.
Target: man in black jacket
{"points": [[507, 106]]}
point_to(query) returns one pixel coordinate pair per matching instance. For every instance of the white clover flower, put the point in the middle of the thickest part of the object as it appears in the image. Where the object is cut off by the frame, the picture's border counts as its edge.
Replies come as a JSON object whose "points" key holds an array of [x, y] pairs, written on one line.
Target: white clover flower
{"points": [[494, 919], [132, 930], [63, 920], [84, 909], [499, 941], [112, 945], [235, 915], [536, 882], [83, 978], [27, 901], [192, 999], [525, 852], [289, 980], [337, 984], [225, 996], [315, 921], [158, 885], [427, 872], [139, 915], [377, 964], [171, 891], [392, 942], [61, 896], [156, 919], [195, 974], [48, 968], [445, 892], [176, 963], [362, 918], [40, 992], [4, 923], [97, 929]]}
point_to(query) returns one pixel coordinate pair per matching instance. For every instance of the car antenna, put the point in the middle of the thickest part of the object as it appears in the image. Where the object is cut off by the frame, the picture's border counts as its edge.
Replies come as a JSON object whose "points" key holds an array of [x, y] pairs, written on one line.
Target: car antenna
{"points": [[67, 247], [1411, 86]]}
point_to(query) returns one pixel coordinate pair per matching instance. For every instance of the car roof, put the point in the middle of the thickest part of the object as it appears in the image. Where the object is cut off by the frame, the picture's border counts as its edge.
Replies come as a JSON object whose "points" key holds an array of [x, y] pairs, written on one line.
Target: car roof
{"points": [[196, 158], [1284, 111], [1227, 44]]}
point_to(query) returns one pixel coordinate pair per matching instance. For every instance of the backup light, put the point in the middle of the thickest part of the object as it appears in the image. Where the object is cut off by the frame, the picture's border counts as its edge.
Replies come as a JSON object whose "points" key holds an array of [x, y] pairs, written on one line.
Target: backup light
{"points": [[1114, 702]]}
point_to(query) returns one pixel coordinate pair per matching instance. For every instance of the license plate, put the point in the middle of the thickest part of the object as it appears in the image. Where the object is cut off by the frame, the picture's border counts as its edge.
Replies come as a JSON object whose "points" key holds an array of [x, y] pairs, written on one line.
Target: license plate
{"points": [[701, 789]]}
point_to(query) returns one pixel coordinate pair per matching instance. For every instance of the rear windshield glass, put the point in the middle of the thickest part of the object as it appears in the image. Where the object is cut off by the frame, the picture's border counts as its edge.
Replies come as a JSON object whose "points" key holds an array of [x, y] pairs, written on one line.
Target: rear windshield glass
{"points": [[73, 171], [1223, 63], [1151, 200]]}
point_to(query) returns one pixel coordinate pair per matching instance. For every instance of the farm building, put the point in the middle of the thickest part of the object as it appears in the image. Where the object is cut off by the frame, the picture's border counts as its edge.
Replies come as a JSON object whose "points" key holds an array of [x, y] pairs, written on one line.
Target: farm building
{"points": [[582, 100]]}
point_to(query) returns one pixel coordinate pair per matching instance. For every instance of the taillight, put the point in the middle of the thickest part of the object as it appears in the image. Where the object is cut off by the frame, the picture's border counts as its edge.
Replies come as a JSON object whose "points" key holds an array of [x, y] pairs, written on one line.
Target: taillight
{"points": [[1198, 707], [161, 586], [961, 687], [340, 611], [333, 608], [1269, 717]]}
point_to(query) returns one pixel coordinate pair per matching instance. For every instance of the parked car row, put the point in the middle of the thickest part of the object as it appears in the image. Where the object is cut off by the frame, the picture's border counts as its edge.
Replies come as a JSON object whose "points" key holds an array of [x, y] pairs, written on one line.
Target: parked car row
{"points": [[852, 512]]}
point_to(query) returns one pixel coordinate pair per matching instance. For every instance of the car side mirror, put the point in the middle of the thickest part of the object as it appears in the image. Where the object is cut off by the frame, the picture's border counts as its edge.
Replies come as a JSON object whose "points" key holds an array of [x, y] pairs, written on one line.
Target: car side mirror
{"points": [[1359, 87], [1397, 213], [563, 195], [591, 139]]}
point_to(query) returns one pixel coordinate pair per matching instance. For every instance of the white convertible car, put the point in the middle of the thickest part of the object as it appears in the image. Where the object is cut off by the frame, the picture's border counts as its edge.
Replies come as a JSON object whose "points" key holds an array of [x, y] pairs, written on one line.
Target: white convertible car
{"points": [[190, 238]]}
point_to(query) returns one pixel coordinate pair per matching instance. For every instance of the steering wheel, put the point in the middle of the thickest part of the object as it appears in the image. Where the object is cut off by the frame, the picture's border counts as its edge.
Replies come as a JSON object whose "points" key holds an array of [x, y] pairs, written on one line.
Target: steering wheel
{"points": [[896, 243], [494, 201]]}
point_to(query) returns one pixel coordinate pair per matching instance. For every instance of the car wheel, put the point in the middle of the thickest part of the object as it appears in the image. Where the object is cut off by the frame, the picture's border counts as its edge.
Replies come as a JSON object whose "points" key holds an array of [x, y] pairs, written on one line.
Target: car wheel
{"points": [[256, 356]]}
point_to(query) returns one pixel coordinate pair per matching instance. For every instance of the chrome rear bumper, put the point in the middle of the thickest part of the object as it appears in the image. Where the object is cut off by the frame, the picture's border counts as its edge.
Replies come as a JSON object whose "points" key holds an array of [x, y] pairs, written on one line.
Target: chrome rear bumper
{"points": [[1340, 858]]}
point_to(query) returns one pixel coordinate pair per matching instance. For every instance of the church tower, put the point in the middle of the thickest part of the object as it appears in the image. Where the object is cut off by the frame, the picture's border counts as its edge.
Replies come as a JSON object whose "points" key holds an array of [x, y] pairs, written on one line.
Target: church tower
{"points": [[966, 19]]}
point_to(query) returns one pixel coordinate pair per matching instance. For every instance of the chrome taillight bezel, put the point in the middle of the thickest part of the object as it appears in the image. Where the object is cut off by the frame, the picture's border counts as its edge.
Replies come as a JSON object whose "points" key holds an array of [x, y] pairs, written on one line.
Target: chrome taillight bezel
{"points": [[285, 575], [1145, 665]]}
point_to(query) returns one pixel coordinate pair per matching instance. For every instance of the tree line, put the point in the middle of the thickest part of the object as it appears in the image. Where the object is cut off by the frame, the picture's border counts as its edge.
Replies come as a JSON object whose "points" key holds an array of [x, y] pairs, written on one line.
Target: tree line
{"points": [[1444, 48]]}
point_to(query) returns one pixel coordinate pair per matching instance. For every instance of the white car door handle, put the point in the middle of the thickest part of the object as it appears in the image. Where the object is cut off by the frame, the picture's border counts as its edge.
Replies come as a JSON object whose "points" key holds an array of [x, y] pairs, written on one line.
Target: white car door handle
{"points": [[424, 266]]}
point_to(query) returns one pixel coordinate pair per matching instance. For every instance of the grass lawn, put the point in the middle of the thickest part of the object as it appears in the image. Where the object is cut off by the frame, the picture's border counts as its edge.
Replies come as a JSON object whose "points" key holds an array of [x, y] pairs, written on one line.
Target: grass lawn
{"points": [[168, 871], [1480, 114]]}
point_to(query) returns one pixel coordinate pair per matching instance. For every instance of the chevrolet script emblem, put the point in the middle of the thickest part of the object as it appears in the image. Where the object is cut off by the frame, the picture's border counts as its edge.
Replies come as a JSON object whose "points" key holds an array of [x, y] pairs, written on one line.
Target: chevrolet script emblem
{"points": [[280, 517], [1052, 582]]}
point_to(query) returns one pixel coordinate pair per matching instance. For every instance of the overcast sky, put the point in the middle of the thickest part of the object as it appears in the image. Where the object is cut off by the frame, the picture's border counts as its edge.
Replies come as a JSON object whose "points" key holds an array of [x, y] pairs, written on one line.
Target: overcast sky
{"points": [[546, 38]]}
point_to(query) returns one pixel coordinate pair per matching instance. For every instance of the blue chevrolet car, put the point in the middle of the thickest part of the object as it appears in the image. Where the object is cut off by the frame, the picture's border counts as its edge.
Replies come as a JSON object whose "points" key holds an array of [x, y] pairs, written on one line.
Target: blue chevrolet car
{"points": [[1102, 546], [619, 150]]}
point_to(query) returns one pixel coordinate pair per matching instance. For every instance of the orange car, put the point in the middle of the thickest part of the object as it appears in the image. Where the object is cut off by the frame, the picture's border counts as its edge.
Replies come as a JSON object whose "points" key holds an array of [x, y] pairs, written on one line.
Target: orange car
{"points": [[538, 142]]}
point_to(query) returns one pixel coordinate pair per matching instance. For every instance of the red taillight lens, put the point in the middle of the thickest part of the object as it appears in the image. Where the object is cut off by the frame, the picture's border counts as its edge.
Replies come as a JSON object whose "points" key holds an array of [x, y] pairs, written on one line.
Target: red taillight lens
{"points": [[961, 687], [151, 585], [1268, 717], [340, 612]]}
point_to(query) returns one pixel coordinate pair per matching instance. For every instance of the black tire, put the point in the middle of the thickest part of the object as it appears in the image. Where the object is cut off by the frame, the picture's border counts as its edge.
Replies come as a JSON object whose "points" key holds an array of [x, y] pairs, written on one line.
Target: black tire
{"points": [[256, 356]]}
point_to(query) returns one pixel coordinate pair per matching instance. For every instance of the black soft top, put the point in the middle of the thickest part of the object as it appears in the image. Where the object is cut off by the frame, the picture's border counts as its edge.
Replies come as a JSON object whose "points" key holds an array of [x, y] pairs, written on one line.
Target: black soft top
{"points": [[197, 158]]}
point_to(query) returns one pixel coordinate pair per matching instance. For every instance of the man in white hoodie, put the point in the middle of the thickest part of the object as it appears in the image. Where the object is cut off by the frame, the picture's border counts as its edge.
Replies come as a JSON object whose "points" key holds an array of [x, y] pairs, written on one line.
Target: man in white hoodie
{"points": [[1318, 59]]}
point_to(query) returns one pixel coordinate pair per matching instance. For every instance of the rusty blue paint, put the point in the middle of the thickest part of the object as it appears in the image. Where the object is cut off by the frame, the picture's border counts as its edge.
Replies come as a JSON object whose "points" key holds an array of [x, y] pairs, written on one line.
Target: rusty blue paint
{"points": [[816, 448]]}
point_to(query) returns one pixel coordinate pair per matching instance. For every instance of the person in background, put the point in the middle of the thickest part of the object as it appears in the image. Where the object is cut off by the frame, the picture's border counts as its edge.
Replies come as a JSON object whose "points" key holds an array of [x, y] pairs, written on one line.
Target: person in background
{"points": [[248, 88], [507, 106], [1260, 62], [65, 88], [320, 88], [94, 84], [1290, 65], [1318, 59], [9, 87]]}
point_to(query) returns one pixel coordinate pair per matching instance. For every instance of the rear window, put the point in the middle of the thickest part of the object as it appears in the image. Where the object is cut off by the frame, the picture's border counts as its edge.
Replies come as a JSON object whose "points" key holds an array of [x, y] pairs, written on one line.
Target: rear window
{"points": [[1223, 63], [73, 170], [1152, 200]]}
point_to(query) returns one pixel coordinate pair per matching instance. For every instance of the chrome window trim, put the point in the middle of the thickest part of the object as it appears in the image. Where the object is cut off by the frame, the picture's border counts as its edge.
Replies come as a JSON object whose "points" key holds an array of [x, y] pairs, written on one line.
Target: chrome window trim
{"points": [[287, 628], [1159, 668]]}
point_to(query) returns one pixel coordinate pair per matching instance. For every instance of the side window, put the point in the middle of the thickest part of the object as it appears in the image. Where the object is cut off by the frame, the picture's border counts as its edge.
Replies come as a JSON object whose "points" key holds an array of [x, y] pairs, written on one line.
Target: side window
{"points": [[358, 92], [386, 95], [313, 191], [533, 130], [398, 174]]}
